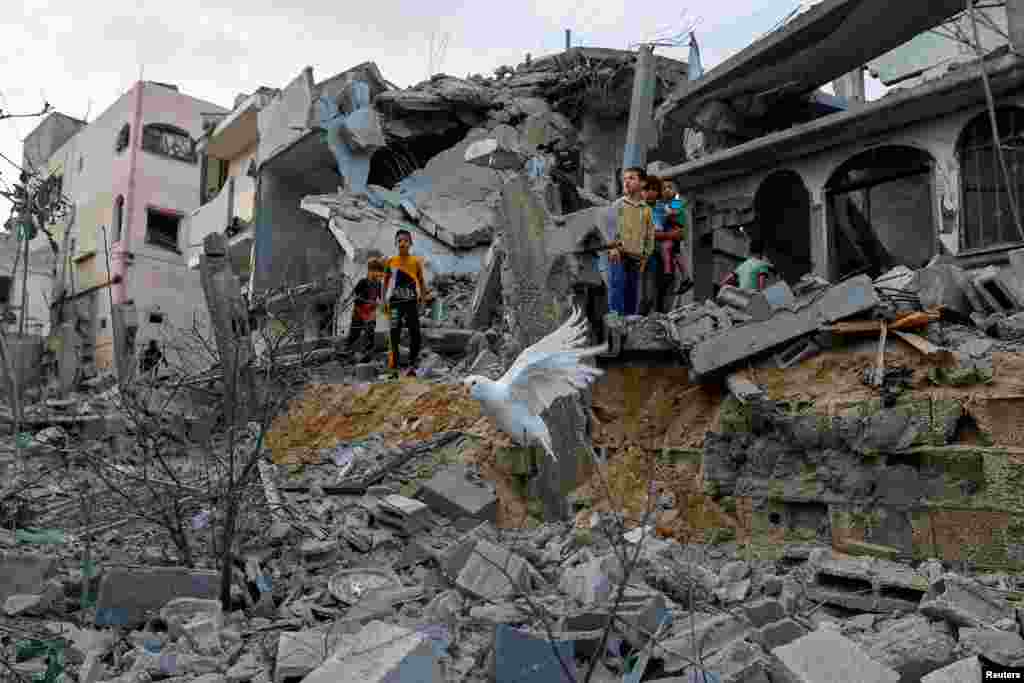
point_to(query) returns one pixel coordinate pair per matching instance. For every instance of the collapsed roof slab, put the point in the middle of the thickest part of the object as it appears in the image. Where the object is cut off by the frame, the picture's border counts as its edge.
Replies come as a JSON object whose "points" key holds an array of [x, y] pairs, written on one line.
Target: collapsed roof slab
{"points": [[956, 91], [827, 41]]}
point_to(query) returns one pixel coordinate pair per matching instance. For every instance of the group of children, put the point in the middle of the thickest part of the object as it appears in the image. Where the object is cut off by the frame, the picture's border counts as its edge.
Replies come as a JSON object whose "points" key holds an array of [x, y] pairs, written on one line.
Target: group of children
{"points": [[647, 233], [399, 282]]}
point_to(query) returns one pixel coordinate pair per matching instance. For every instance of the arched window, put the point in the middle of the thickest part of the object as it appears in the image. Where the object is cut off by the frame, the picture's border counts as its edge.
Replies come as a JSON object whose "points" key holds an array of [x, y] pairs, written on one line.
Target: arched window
{"points": [[118, 217], [124, 137], [987, 214], [169, 141], [881, 211]]}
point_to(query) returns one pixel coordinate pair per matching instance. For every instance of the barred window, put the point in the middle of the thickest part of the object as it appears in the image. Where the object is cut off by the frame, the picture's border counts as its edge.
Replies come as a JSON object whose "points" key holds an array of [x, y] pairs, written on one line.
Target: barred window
{"points": [[168, 141], [986, 209]]}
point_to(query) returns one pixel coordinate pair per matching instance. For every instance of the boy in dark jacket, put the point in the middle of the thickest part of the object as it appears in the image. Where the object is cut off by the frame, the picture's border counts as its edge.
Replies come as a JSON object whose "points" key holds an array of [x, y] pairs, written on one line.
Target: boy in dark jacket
{"points": [[364, 307]]}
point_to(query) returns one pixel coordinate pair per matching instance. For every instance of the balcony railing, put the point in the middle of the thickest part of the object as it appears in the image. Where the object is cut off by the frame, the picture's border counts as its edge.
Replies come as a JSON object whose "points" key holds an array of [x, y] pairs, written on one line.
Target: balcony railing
{"points": [[235, 200]]}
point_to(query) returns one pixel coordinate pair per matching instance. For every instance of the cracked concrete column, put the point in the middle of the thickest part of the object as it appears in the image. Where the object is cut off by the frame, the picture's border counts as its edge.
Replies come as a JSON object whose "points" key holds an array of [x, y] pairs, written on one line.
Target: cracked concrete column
{"points": [[536, 310], [229, 317], [1015, 23], [641, 109]]}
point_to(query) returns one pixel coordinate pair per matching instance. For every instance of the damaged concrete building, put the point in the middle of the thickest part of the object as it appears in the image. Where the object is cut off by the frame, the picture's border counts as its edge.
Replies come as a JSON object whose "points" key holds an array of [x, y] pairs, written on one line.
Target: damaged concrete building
{"points": [[883, 183], [131, 175], [340, 165]]}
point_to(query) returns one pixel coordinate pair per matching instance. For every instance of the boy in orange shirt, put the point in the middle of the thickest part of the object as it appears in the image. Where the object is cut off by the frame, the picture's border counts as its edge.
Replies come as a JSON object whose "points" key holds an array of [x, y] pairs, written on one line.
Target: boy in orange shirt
{"points": [[405, 289]]}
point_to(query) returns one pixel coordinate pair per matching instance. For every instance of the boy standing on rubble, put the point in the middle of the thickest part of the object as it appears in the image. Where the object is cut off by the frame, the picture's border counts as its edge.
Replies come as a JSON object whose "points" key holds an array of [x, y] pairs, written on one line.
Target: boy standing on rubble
{"points": [[367, 295], [754, 273], [631, 242], [406, 290]]}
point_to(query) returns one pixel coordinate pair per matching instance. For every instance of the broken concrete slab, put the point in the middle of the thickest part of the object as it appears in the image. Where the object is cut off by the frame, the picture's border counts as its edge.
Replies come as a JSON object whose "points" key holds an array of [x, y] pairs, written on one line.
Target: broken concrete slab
{"points": [[743, 389], [447, 340], [985, 285], [490, 153], [865, 583], [452, 493], [639, 611], [127, 596], [299, 653], [764, 612], [780, 633], [912, 646], [959, 672], [946, 286], [24, 574], [843, 300], [587, 583], [825, 656], [408, 515], [1001, 647], [380, 653], [710, 636], [963, 603], [486, 570], [487, 295], [180, 611], [738, 662], [1011, 282]]}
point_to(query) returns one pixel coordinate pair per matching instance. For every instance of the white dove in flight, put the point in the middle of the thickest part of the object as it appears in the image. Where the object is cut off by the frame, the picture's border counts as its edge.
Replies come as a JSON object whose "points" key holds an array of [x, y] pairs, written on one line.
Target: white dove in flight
{"points": [[543, 373]]}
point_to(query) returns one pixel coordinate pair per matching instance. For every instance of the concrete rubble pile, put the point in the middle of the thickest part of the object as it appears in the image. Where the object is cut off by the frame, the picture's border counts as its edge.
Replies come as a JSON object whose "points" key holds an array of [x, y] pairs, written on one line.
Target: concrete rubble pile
{"points": [[783, 325], [378, 586]]}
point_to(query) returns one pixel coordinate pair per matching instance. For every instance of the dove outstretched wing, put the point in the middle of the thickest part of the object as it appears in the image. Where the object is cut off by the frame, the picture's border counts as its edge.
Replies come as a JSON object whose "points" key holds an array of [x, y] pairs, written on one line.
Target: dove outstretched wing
{"points": [[553, 367]]}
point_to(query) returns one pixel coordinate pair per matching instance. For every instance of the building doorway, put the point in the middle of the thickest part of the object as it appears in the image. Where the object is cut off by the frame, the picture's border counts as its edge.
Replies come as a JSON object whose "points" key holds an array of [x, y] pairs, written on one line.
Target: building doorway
{"points": [[783, 209]]}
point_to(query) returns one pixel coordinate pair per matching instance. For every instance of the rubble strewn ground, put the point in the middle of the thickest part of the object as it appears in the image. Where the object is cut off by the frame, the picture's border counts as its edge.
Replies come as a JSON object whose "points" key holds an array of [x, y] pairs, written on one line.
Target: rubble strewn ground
{"points": [[749, 528]]}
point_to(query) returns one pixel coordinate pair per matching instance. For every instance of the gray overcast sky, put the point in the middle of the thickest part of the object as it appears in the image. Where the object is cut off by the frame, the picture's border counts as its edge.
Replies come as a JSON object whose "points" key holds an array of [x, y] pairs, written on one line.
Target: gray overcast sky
{"points": [[81, 57]]}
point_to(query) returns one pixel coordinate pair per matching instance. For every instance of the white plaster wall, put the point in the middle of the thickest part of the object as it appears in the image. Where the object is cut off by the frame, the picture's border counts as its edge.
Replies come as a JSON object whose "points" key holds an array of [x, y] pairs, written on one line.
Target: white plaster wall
{"points": [[937, 137]]}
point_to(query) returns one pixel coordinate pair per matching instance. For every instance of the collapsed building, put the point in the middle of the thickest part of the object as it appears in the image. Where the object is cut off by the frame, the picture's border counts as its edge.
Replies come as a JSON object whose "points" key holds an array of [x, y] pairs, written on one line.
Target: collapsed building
{"points": [[316, 177]]}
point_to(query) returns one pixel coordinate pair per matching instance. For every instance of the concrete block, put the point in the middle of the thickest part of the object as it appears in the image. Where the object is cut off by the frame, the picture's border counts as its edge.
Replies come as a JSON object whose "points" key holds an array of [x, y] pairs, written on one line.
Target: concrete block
{"points": [[959, 672], [640, 613], [963, 603], [451, 493], [405, 514], [743, 389], [912, 646], [1002, 647], [843, 300], [127, 596], [780, 633], [181, 611], [764, 612], [866, 584], [381, 653], [447, 340], [946, 286], [1011, 282], [825, 656], [985, 284], [485, 570], [711, 635], [299, 653], [521, 656], [24, 574]]}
